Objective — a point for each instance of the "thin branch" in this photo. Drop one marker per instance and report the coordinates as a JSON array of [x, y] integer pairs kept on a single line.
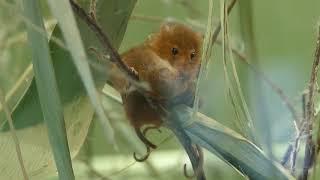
[[93, 9], [287, 155], [310, 146], [305, 126], [13, 134], [215, 36], [114, 55], [301, 131], [295, 150], [242, 57]]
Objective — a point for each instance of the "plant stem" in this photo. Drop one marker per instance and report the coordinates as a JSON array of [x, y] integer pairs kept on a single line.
[[310, 146]]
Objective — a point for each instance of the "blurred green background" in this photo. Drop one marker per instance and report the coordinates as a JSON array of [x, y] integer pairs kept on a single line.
[[284, 34]]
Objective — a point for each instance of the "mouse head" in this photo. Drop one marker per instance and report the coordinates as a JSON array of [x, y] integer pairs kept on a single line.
[[180, 46]]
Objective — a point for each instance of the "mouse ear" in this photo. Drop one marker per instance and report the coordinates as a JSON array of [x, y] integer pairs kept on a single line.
[[201, 35], [151, 38]]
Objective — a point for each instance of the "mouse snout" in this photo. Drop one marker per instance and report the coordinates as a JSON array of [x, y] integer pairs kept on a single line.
[[184, 75]]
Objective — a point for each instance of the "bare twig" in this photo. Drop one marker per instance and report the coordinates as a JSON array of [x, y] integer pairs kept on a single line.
[[114, 55], [293, 149], [305, 126], [243, 58], [300, 126], [93, 10], [310, 146], [287, 155], [301, 131]]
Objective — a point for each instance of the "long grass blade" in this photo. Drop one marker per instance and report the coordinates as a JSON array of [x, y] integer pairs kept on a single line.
[[239, 103], [48, 91], [228, 145], [63, 12], [206, 53]]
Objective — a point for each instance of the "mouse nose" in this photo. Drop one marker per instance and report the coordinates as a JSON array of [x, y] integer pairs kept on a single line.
[[184, 75]]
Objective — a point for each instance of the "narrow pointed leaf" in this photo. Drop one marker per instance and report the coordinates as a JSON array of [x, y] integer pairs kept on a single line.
[[78, 113], [48, 91], [230, 146]]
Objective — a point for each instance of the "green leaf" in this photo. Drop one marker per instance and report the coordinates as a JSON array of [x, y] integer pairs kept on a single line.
[[48, 91], [244, 120], [113, 16], [17, 91], [222, 141], [78, 111], [35, 146], [63, 12], [230, 146]]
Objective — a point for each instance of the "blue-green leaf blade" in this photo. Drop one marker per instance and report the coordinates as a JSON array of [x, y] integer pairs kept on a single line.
[[230, 146], [48, 91]]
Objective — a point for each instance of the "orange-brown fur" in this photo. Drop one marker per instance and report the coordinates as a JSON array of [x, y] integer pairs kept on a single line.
[[171, 76]]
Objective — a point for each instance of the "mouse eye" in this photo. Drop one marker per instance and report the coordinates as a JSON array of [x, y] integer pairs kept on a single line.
[[192, 55], [174, 51]]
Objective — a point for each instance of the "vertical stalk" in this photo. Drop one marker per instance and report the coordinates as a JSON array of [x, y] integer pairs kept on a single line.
[[51, 106], [309, 157]]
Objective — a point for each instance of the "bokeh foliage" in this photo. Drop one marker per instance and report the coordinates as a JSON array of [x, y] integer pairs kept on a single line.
[[284, 33]]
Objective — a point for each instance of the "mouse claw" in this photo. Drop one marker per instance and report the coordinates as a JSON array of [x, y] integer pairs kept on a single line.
[[150, 128], [143, 158], [186, 174], [200, 164], [144, 139]]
